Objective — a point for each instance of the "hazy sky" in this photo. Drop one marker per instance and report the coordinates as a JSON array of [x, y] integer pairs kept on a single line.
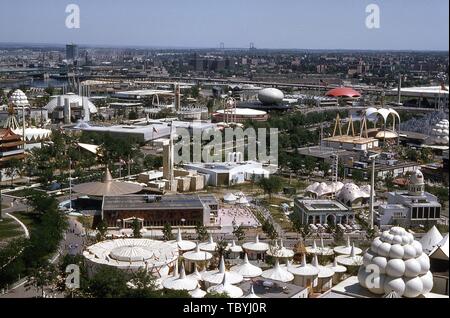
[[302, 24]]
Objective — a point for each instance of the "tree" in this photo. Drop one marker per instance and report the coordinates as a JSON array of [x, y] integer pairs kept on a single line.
[[102, 229], [269, 230], [221, 248], [108, 282], [136, 228], [270, 185], [42, 277], [41, 202], [358, 175], [238, 232], [202, 233], [167, 232], [195, 91], [338, 235], [14, 166]]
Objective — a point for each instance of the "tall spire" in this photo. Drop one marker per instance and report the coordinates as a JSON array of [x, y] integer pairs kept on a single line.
[[179, 237], [315, 261], [222, 265]]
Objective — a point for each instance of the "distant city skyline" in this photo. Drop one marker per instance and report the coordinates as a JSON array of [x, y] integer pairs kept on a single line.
[[287, 24]]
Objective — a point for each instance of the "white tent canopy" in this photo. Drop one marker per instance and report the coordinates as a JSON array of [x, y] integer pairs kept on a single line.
[[180, 282], [227, 288], [430, 240], [278, 273], [440, 251], [246, 269], [216, 276]]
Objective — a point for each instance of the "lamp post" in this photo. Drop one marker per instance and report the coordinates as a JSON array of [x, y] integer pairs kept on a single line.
[[372, 189]]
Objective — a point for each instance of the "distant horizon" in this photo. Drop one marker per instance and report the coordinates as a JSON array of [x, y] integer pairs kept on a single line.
[[405, 25], [155, 47]]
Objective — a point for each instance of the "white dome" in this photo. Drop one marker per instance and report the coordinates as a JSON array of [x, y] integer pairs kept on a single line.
[[19, 99], [351, 192], [403, 266], [270, 96], [416, 178], [73, 98]]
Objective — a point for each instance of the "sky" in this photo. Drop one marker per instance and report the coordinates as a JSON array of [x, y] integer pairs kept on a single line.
[[277, 24]]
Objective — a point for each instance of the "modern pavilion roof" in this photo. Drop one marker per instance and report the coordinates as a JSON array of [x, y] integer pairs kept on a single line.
[[180, 282], [304, 269], [181, 244], [347, 249], [107, 187], [234, 248], [216, 276], [226, 287], [246, 269], [197, 255], [431, 239], [280, 251], [440, 251], [350, 260], [132, 253], [324, 272], [256, 246], [278, 273], [209, 246], [336, 267]]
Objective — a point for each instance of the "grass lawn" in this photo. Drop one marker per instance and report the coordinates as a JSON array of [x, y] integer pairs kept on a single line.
[[23, 193], [29, 219], [277, 212], [9, 229]]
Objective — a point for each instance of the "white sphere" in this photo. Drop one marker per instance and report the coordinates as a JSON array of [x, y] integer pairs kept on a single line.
[[397, 239], [411, 238], [385, 236], [368, 257], [396, 284], [427, 281], [412, 267], [375, 245], [418, 247], [377, 284], [381, 263], [270, 96], [395, 268], [413, 287], [405, 240], [410, 251], [362, 276], [396, 251], [383, 249], [424, 262]]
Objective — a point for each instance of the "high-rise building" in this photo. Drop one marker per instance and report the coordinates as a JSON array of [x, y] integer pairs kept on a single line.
[[71, 51]]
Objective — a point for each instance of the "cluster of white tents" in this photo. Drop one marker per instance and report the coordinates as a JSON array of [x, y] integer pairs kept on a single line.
[[236, 198]]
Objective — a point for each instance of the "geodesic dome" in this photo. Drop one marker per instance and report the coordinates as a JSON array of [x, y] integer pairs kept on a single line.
[[402, 264]]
